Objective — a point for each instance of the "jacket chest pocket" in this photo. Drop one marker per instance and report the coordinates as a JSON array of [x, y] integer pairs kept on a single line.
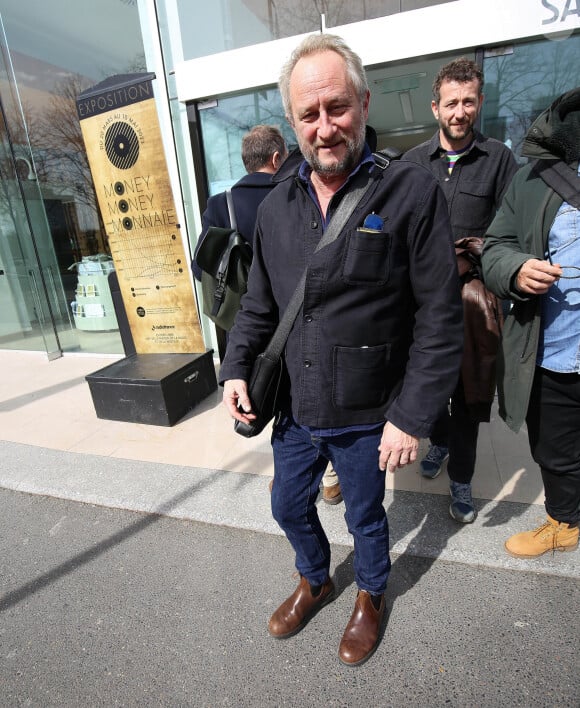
[[476, 208], [366, 259]]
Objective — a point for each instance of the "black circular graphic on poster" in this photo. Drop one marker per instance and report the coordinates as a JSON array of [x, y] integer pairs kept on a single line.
[[122, 145]]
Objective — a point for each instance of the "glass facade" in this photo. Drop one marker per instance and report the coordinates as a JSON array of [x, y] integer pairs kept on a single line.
[[400, 113], [30, 294], [223, 122], [210, 28], [521, 81], [51, 231]]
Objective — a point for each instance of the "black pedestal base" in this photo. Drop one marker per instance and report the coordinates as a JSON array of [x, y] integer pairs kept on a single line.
[[156, 389]]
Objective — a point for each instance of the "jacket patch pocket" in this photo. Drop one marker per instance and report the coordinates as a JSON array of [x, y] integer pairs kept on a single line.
[[477, 188], [477, 198], [360, 376], [367, 258]]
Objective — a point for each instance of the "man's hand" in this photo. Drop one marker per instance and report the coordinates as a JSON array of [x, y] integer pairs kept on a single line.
[[536, 277], [236, 400], [397, 448]]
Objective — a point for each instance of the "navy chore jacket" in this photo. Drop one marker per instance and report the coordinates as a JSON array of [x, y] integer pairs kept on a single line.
[[380, 334]]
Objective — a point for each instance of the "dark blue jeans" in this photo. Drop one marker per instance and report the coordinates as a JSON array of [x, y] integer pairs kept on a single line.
[[299, 463]]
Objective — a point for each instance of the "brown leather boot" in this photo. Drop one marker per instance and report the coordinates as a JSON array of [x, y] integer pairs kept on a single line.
[[295, 612], [361, 636]]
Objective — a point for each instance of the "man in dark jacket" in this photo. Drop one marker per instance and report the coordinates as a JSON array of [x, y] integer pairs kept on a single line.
[[263, 151], [474, 172], [532, 256], [374, 353]]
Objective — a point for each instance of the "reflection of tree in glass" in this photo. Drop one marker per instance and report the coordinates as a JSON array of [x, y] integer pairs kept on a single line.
[[9, 193], [58, 142], [519, 86], [287, 19], [60, 157]]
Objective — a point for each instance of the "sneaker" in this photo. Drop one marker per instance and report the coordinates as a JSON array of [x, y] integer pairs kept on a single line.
[[552, 535], [461, 508], [433, 461], [332, 495]]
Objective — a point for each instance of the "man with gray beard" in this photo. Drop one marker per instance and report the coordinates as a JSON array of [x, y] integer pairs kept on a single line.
[[374, 353]]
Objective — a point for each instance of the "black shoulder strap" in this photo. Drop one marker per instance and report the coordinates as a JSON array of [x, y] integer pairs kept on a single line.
[[231, 210], [384, 157], [561, 178]]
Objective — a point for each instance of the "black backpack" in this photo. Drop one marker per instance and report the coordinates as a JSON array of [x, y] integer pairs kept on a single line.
[[224, 257]]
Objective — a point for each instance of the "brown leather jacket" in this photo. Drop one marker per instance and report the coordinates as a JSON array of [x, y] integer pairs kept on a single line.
[[483, 321]]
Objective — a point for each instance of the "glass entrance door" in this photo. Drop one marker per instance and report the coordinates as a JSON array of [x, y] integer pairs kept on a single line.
[[33, 301]]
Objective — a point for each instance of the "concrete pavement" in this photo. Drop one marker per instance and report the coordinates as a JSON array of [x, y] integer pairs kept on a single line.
[[140, 564], [420, 523], [105, 607]]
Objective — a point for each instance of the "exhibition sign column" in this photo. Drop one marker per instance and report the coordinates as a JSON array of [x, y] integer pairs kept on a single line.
[[120, 128]]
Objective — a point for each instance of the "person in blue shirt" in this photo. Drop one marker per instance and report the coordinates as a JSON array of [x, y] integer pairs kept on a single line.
[[532, 256]]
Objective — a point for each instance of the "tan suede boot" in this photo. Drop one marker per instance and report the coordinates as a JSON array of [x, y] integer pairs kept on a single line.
[[332, 495], [550, 536]]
